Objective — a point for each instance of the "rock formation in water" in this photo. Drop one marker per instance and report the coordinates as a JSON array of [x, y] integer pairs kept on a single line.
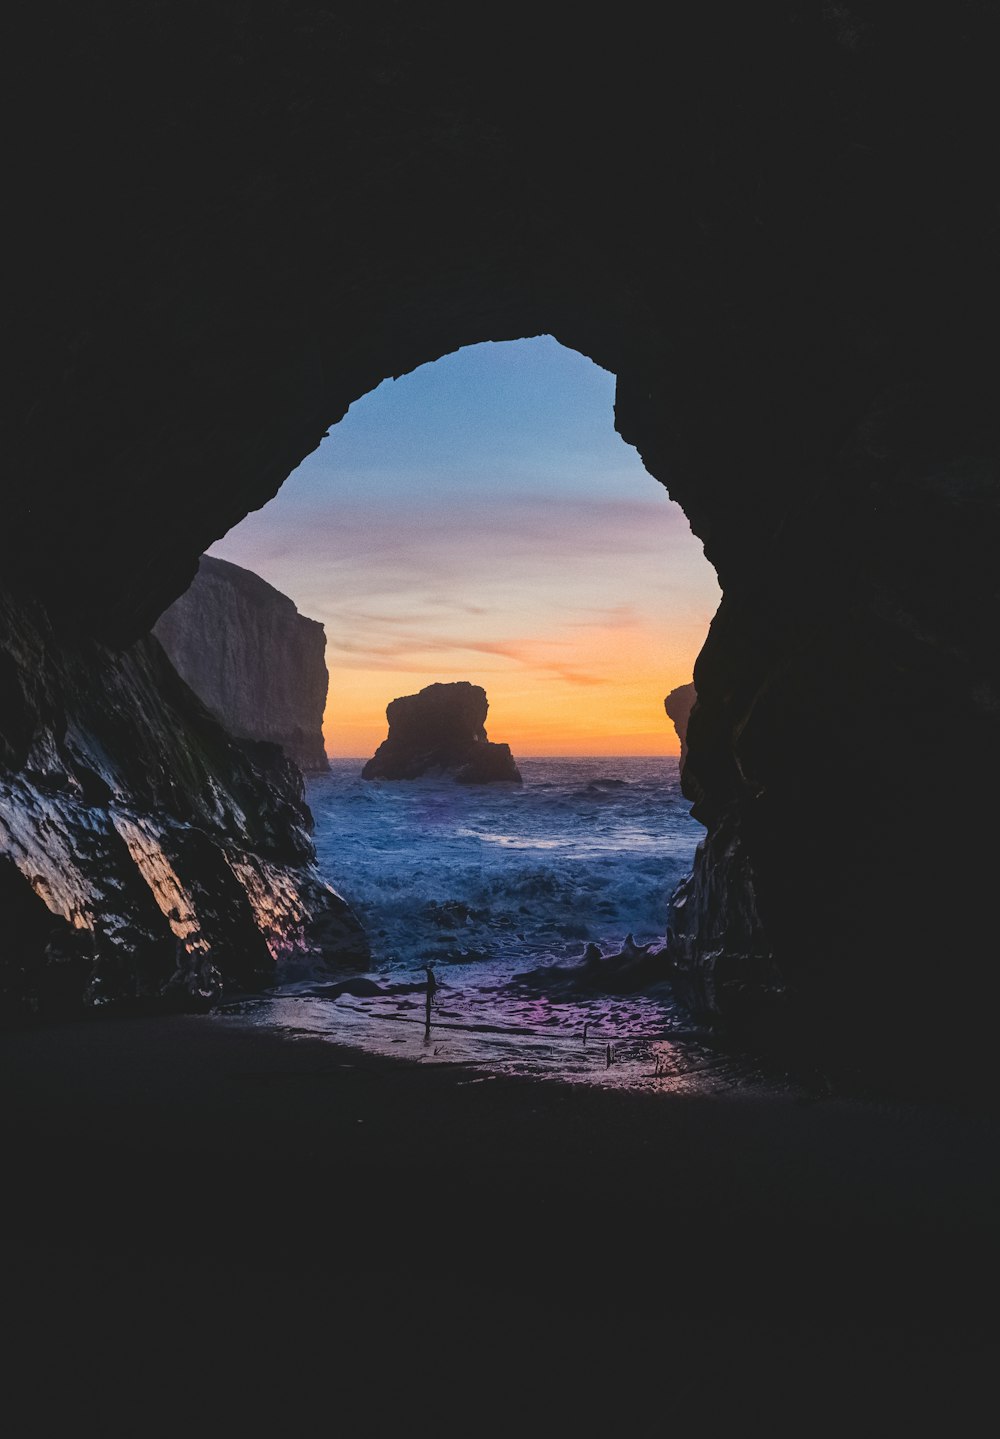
[[286, 204], [678, 705], [248, 654], [145, 855], [634, 967], [441, 729]]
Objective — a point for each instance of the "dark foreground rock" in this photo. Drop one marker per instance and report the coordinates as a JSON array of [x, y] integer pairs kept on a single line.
[[678, 704], [248, 654], [633, 967], [441, 730], [144, 853], [633, 1255]]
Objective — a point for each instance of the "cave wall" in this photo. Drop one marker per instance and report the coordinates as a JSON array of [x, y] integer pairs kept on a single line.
[[776, 225], [251, 658], [678, 705], [145, 855]]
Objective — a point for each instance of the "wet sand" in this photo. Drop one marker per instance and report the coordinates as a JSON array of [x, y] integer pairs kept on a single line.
[[212, 1226]]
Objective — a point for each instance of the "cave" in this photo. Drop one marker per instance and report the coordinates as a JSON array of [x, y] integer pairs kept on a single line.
[[233, 222], [776, 225]]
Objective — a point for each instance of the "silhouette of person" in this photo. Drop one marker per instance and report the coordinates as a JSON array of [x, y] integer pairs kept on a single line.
[[432, 985]]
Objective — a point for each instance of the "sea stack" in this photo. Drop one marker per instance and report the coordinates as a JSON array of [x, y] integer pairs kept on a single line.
[[441, 730], [251, 658], [678, 705]]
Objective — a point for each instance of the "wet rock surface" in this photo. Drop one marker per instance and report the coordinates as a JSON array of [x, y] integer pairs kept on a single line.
[[633, 967], [145, 855], [440, 730], [251, 658]]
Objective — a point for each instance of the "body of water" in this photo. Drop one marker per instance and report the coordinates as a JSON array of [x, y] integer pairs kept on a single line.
[[490, 883]]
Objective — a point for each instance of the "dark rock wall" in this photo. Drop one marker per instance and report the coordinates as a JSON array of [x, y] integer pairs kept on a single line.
[[144, 854], [826, 684], [441, 729], [678, 705], [247, 653], [775, 224]]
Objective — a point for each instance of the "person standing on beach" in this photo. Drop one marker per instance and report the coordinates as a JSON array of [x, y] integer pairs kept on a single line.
[[432, 985]]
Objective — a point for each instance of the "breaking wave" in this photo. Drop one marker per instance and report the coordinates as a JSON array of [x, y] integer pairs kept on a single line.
[[509, 893]]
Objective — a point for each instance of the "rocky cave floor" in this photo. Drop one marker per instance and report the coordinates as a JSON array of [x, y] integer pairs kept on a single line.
[[218, 1226]]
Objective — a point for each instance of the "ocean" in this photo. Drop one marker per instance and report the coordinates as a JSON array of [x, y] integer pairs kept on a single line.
[[490, 883]]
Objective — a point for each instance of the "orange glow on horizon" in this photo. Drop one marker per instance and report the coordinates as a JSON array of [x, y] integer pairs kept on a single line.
[[601, 695]]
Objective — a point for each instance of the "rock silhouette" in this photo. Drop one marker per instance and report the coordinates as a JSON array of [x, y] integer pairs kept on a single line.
[[442, 729], [633, 967], [678, 705]]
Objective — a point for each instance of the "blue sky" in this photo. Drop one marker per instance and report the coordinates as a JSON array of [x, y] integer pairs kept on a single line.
[[480, 519]]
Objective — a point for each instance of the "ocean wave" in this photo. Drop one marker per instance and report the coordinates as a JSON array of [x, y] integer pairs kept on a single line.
[[497, 882]]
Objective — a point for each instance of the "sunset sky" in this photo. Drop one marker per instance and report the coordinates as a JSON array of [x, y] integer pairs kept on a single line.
[[480, 519]]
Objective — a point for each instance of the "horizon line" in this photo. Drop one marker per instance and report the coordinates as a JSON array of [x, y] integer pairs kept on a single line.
[[627, 755]]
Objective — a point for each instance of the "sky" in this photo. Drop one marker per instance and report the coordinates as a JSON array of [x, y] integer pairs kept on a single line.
[[479, 519]]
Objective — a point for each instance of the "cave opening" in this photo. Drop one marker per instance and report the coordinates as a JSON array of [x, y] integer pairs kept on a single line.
[[480, 516], [478, 521]]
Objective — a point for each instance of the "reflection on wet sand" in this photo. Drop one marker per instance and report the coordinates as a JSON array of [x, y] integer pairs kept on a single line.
[[660, 1053]]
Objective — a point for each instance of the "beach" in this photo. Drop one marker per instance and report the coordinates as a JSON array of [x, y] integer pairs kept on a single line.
[[281, 1221]]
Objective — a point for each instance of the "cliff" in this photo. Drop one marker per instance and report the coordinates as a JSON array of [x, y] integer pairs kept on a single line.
[[248, 654], [678, 705], [441, 729], [145, 855]]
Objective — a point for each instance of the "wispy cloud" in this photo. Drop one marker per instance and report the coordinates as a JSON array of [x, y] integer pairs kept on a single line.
[[574, 676], [424, 644]]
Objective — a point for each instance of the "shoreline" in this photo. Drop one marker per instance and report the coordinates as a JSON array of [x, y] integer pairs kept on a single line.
[[397, 1213]]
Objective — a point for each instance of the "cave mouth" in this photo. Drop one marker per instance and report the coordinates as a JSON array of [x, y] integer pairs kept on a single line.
[[479, 520]]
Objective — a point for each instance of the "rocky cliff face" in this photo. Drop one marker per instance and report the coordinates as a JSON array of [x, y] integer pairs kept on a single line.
[[678, 704], [441, 729], [801, 310], [144, 854], [251, 658]]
